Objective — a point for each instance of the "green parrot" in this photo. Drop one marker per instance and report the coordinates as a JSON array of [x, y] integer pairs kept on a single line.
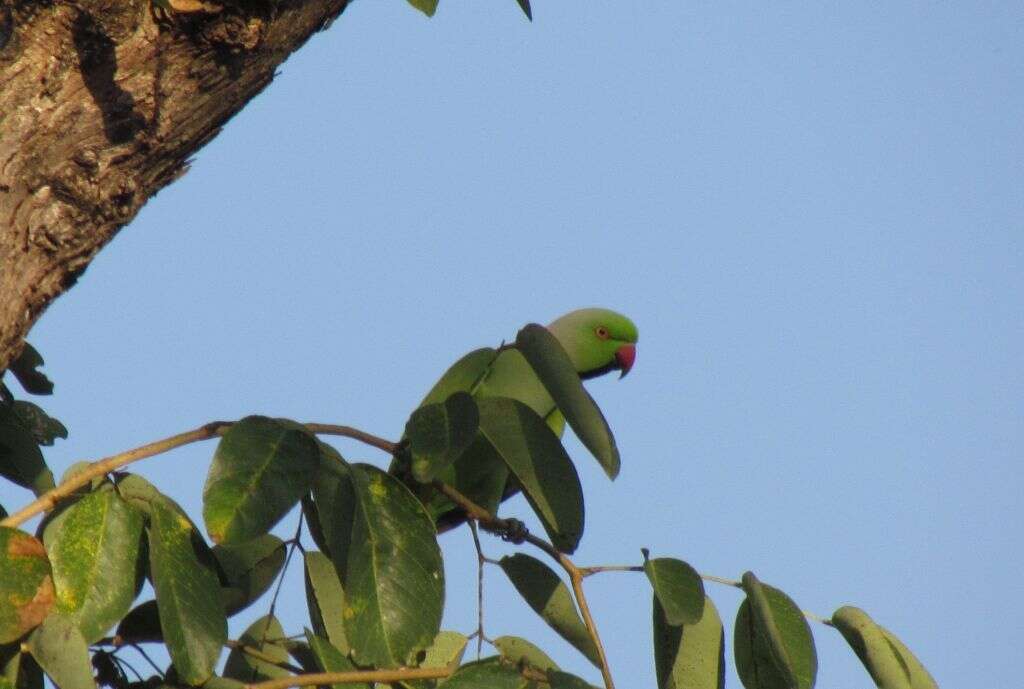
[[597, 341]]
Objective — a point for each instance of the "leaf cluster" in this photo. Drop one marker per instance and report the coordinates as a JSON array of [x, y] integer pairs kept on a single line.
[[375, 581]]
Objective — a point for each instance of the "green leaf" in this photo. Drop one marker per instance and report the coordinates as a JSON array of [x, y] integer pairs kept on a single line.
[[24, 369], [519, 651], [427, 7], [564, 680], [141, 624], [554, 368], [488, 673], [250, 569], [26, 587], [326, 599], [439, 433], [446, 651], [94, 547], [188, 592], [20, 458], [264, 636], [394, 579], [890, 663], [920, 678], [549, 597], [678, 587], [330, 659], [774, 647], [537, 459], [43, 427], [524, 5], [260, 470], [689, 656], [335, 501], [60, 650], [463, 376]]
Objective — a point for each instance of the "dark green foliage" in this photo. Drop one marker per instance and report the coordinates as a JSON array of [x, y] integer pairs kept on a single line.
[[774, 647], [677, 587], [249, 569], [439, 433], [555, 370], [549, 597]]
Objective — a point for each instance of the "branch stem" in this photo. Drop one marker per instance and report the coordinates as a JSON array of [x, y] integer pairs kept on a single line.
[[367, 676]]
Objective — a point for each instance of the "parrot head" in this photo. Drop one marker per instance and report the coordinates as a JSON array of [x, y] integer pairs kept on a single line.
[[597, 341]]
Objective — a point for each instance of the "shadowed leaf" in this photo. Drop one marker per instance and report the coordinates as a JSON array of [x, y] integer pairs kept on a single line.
[[141, 624], [25, 370], [549, 597], [439, 433], [330, 659], [537, 459], [555, 370], [774, 647], [264, 636], [20, 458], [43, 427], [488, 673], [250, 569], [689, 656]]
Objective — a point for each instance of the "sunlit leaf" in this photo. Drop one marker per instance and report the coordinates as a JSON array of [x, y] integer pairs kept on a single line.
[[187, 590], [462, 376], [250, 569], [62, 653], [537, 459], [555, 370], [264, 636], [689, 656], [519, 651], [446, 650], [427, 7], [394, 581], [335, 503], [889, 662], [20, 458], [26, 586], [330, 659], [326, 599], [439, 433], [549, 597], [94, 547], [773, 644], [678, 587], [260, 470]]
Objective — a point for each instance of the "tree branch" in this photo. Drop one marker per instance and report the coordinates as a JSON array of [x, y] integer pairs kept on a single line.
[[353, 677], [47, 501]]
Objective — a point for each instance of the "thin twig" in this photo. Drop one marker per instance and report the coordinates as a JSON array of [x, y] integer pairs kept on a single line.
[[721, 580], [514, 531], [590, 571], [480, 559], [48, 500], [366, 676], [138, 649], [355, 433]]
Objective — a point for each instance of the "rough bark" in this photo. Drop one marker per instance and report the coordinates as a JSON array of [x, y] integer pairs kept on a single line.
[[102, 102]]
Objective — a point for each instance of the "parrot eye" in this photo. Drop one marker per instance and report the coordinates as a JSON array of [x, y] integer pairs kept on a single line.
[[601, 332]]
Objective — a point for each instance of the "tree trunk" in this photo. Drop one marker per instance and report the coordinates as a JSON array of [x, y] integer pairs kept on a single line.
[[102, 102]]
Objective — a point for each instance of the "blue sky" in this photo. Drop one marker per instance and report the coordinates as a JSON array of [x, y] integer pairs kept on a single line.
[[815, 215]]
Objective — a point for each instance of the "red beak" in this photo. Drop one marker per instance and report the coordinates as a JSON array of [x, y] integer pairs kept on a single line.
[[625, 356]]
